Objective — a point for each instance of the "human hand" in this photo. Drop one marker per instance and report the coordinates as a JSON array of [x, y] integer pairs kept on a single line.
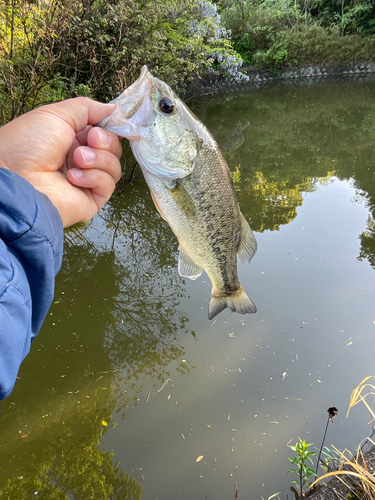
[[57, 150]]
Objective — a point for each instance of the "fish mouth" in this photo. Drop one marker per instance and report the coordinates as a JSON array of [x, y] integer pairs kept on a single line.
[[132, 107], [145, 78]]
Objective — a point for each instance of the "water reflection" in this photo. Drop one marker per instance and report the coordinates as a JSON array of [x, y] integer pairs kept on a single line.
[[122, 323], [143, 336], [58, 454], [115, 320]]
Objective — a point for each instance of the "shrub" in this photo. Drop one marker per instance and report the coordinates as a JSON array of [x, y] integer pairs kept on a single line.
[[28, 35], [57, 49], [315, 45]]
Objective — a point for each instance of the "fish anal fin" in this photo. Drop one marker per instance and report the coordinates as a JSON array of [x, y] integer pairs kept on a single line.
[[238, 302], [248, 244], [187, 267]]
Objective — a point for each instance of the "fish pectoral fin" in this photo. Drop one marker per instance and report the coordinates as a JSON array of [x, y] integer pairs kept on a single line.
[[182, 199], [248, 243], [187, 267]]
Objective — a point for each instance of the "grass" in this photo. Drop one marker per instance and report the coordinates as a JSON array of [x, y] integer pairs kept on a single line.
[[356, 396]]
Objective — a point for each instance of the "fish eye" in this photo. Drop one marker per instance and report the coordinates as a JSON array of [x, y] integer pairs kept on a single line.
[[166, 105]]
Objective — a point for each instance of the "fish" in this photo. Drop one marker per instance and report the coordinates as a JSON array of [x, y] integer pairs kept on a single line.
[[191, 186]]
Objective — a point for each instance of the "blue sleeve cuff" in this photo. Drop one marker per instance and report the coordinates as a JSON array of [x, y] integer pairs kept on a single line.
[[31, 246]]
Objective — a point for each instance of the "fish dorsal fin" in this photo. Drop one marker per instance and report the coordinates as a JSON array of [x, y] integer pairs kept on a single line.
[[248, 244], [188, 268]]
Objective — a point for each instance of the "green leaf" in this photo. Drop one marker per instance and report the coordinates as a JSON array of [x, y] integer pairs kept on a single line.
[[310, 472], [296, 495], [291, 471]]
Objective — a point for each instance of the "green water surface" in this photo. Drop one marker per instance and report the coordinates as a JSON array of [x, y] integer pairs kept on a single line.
[[128, 382]]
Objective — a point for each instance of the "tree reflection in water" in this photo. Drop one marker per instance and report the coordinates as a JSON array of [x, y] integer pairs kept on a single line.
[[115, 320]]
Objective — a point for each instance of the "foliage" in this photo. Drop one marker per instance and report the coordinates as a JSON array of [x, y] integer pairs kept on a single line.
[[54, 50], [276, 33], [28, 35], [106, 45], [258, 22], [315, 45], [331, 459], [303, 471], [245, 46], [355, 16]]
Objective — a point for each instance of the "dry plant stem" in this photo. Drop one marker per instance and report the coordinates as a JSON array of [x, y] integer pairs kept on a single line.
[[320, 451]]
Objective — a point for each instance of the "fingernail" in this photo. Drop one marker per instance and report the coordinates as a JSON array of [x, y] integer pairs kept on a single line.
[[103, 137], [77, 173], [88, 155]]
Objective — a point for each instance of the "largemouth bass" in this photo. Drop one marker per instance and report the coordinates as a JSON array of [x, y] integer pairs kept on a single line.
[[191, 186]]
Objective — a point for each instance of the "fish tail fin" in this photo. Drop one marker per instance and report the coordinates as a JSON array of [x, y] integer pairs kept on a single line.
[[238, 302]]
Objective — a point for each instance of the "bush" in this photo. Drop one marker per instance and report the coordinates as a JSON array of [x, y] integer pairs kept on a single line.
[[58, 49], [258, 23], [274, 33], [28, 35], [315, 45], [245, 46]]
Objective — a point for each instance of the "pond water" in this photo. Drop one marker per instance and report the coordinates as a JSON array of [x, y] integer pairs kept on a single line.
[[129, 383]]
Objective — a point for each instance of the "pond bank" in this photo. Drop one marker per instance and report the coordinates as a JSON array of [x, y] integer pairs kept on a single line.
[[335, 488], [256, 78]]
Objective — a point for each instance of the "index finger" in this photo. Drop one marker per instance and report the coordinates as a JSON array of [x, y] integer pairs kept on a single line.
[[103, 139]]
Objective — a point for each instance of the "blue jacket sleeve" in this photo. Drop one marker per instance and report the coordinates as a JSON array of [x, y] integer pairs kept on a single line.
[[31, 245]]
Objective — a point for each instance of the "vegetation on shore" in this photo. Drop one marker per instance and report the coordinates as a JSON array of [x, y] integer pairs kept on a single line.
[[275, 33], [355, 474], [55, 49]]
